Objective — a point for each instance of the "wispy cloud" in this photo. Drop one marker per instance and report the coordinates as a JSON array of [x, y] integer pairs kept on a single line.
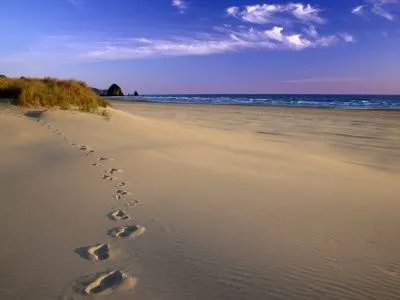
[[221, 40], [181, 5], [380, 8], [347, 37], [358, 10], [305, 13], [77, 3], [311, 31], [294, 41], [276, 13], [323, 80]]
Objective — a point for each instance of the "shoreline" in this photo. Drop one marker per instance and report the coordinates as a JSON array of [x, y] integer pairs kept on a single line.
[[262, 106]]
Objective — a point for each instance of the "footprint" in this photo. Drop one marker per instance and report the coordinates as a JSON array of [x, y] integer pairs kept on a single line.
[[131, 203], [105, 158], [99, 252], [58, 132], [97, 164], [130, 231], [108, 282], [89, 152], [83, 148], [114, 170], [121, 184], [95, 253], [108, 177], [120, 194], [119, 215]]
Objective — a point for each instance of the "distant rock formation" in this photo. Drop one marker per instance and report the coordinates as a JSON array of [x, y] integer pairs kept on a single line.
[[3, 76], [99, 92], [114, 90], [135, 94]]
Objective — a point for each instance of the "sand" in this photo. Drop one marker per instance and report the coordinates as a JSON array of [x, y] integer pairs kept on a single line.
[[208, 202]]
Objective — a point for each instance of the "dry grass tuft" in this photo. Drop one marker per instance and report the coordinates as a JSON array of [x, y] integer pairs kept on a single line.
[[50, 92]]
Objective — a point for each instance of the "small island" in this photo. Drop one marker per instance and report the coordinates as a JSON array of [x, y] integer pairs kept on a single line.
[[114, 91]]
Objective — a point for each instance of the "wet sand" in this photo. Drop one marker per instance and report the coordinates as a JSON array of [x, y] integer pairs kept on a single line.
[[236, 202]]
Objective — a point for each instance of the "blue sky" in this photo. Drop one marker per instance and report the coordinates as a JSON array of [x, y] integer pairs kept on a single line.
[[207, 46]]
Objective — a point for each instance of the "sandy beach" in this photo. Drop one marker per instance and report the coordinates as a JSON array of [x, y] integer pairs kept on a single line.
[[220, 202]]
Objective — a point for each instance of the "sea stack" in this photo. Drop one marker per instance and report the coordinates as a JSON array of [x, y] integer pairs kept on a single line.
[[114, 90]]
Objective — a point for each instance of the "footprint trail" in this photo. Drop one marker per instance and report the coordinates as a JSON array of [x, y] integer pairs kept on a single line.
[[107, 282], [119, 214], [130, 231], [94, 253]]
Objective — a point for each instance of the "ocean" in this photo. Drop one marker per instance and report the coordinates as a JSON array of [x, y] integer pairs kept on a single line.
[[327, 101]]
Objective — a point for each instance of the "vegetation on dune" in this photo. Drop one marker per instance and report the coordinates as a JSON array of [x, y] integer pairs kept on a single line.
[[50, 92]]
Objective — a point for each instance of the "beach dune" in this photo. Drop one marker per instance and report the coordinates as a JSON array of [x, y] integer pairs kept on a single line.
[[219, 202]]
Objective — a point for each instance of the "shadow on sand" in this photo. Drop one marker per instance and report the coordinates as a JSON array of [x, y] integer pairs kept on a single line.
[[34, 114]]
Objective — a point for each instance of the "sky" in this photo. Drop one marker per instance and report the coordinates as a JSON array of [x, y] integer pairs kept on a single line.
[[207, 46]]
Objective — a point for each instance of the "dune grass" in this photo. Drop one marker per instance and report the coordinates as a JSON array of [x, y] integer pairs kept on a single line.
[[50, 92]]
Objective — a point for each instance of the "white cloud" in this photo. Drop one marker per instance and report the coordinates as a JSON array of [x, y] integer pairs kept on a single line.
[[377, 7], [294, 41], [305, 13], [180, 5], [230, 40], [221, 39], [379, 10], [275, 34], [232, 11], [126, 51], [67, 49], [311, 31], [348, 38], [260, 14], [359, 10], [276, 13]]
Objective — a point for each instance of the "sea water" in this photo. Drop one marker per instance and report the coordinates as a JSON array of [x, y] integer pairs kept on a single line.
[[328, 101]]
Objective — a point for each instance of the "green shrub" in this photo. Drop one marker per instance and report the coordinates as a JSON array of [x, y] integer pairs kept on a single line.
[[50, 92]]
